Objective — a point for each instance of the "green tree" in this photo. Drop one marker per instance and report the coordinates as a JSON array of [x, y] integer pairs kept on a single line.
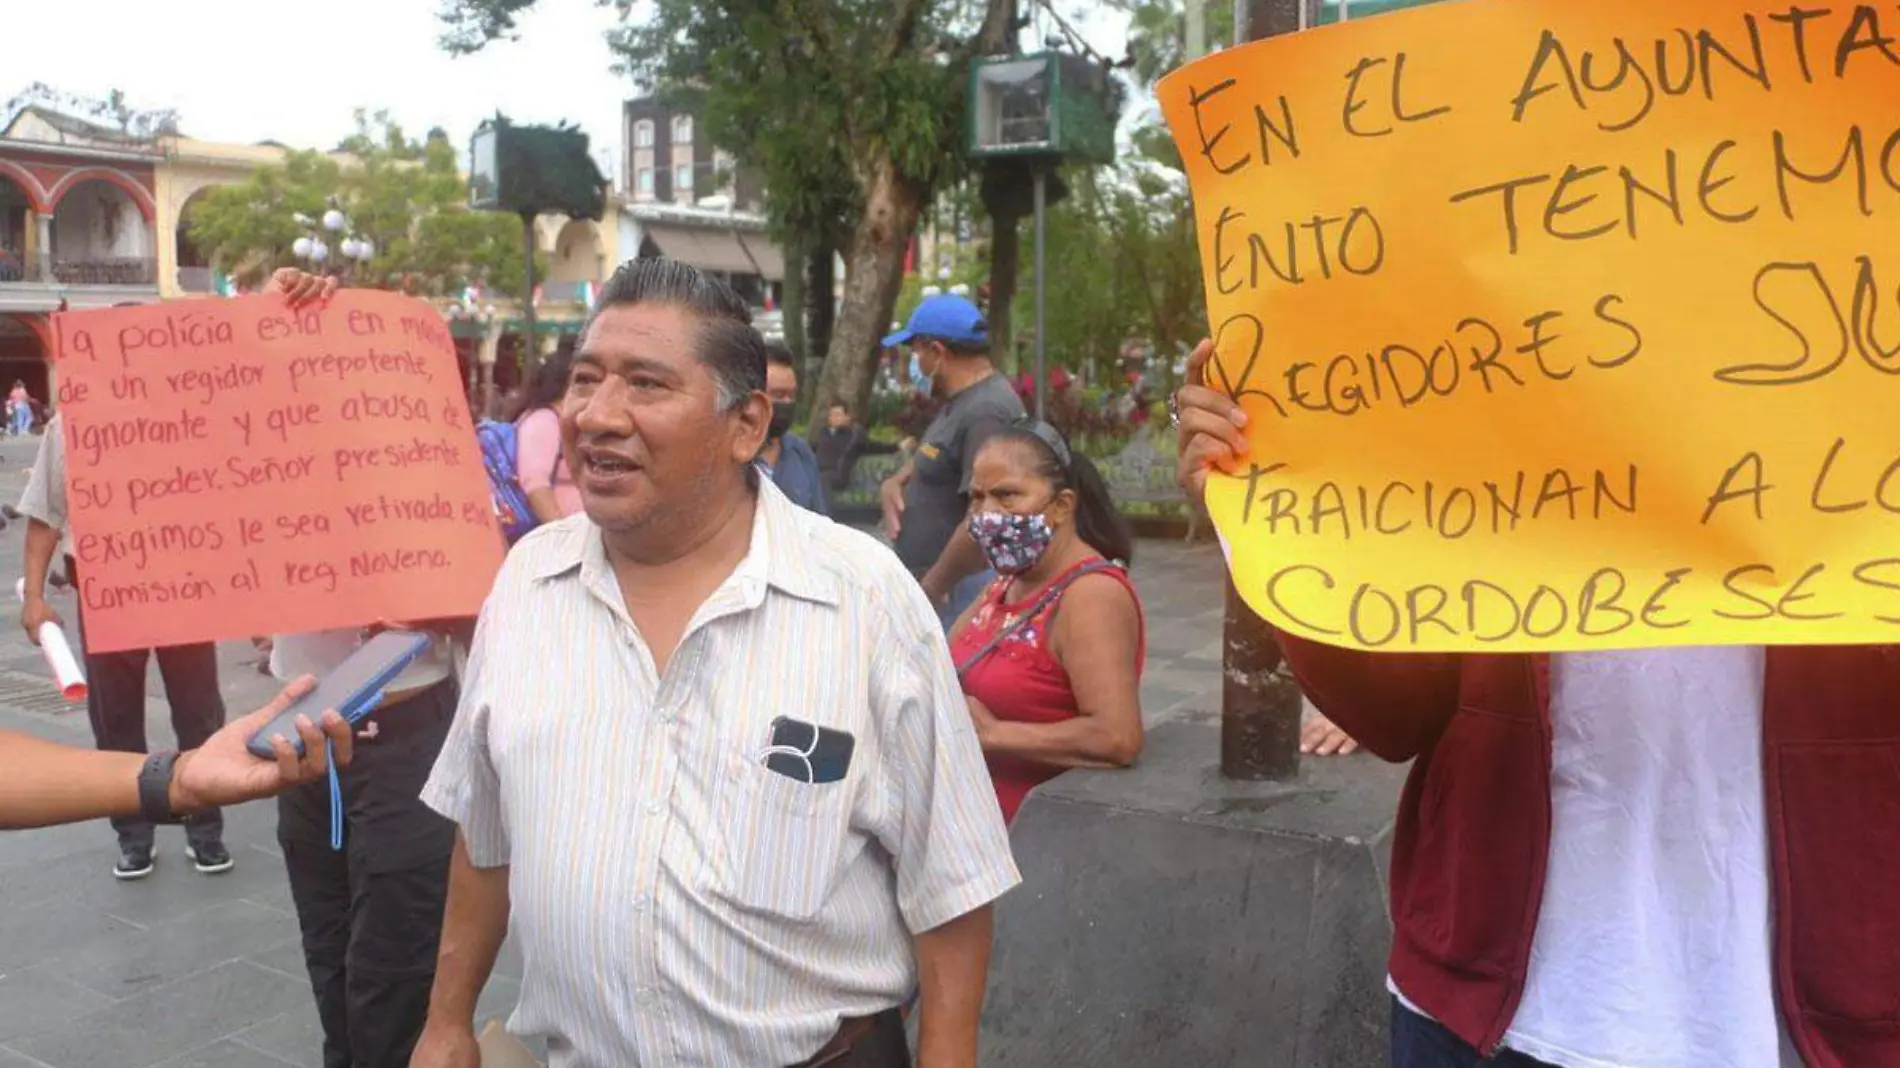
[[406, 197], [851, 110], [1146, 210], [1129, 266]]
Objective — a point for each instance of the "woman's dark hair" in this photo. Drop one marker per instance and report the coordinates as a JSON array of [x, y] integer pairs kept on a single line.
[[546, 387], [1097, 521]]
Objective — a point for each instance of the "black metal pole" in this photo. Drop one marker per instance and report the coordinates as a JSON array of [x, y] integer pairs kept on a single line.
[[1040, 180], [1260, 703], [531, 351]]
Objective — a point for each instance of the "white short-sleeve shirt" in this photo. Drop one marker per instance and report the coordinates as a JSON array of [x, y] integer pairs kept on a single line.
[[678, 903]]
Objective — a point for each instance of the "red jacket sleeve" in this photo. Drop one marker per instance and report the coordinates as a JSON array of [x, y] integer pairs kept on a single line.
[[1394, 704]]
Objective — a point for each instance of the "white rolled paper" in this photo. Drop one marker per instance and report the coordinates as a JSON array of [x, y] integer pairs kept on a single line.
[[59, 657], [58, 654]]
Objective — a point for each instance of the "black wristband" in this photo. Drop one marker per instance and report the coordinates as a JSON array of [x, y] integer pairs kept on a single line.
[[155, 788]]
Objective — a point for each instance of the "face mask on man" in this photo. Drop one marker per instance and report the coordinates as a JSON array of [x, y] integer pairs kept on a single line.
[[782, 412], [918, 379]]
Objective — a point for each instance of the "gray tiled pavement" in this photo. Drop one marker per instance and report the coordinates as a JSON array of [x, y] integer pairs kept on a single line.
[[184, 970]]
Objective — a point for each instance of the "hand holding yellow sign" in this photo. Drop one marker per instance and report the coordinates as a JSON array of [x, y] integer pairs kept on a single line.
[[1559, 325]]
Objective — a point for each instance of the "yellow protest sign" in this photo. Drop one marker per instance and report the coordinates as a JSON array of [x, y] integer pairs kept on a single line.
[[1559, 324]]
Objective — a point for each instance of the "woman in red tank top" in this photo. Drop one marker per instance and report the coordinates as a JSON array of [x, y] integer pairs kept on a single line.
[[1051, 655]]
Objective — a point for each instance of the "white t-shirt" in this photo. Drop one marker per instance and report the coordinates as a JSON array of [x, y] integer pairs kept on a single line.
[[1654, 945]]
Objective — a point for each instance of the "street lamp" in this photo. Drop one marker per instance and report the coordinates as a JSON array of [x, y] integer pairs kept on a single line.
[[314, 248], [1041, 110]]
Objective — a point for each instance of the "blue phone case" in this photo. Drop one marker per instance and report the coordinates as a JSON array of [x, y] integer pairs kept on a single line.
[[352, 688]]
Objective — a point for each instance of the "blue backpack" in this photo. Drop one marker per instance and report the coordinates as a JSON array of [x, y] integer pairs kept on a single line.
[[499, 443]]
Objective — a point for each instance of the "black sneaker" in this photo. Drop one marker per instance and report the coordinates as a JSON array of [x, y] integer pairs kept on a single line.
[[210, 857], [135, 862]]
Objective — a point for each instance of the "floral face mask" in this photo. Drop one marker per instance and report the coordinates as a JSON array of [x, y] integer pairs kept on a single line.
[[1011, 543]]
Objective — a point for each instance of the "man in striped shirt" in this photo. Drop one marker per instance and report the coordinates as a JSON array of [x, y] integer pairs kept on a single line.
[[711, 758]]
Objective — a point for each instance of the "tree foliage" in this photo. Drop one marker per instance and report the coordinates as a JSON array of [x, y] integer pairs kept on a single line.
[[1123, 254], [1157, 33], [1124, 264], [406, 197], [850, 110]]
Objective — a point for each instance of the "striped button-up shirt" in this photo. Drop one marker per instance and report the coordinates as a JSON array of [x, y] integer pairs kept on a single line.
[[45, 496], [677, 903]]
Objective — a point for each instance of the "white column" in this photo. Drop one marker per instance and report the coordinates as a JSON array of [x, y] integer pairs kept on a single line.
[[46, 246]]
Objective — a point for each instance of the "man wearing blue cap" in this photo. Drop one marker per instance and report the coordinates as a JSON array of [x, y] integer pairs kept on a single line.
[[925, 502]]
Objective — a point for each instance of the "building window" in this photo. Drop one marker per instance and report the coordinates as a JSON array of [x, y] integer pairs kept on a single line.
[[683, 130], [643, 134], [646, 181], [683, 177]]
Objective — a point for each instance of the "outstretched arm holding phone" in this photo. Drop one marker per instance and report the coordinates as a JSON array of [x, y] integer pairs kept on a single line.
[[44, 783]]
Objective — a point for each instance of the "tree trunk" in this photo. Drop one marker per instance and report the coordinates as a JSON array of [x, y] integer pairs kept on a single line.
[[791, 309], [821, 286], [792, 303], [1006, 252], [873, 274]]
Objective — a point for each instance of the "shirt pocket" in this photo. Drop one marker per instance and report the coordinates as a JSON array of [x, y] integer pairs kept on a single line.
[[786, 841]]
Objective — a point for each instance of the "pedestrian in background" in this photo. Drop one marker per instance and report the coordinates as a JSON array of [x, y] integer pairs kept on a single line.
[[368, 862], [786, 458], [115, 691], [535, 410], [19, 409], [926, 501], [1050, 655]]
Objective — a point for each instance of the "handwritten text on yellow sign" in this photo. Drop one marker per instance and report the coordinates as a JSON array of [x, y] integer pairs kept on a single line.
[[1559, 325]]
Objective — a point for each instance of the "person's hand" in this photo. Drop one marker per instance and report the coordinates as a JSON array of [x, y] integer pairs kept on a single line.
[[301, 287], [980, 715], [36, 611], [447, 1045], [1322, 737], [223, 772], [935, 588], [1211, 432], [891, 496], [908, 445]]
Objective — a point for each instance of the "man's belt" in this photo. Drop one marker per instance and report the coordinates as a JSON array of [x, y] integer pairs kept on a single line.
[[851, 1031]]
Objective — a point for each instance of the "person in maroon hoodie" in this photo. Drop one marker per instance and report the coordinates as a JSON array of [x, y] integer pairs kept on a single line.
[[1653, 858]]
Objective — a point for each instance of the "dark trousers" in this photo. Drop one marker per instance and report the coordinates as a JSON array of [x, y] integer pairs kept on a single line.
[[371, 912], [1420, 1042], [115, 702]]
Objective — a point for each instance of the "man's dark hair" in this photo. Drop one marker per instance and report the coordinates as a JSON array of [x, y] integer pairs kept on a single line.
[[959, 348], [776, 352], [729, 346], [842, 405]]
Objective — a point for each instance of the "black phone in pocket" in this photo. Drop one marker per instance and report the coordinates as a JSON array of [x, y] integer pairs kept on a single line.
[[809, 753]]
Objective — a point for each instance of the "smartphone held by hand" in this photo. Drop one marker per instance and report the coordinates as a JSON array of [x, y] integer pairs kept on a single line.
[[353, 688]]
